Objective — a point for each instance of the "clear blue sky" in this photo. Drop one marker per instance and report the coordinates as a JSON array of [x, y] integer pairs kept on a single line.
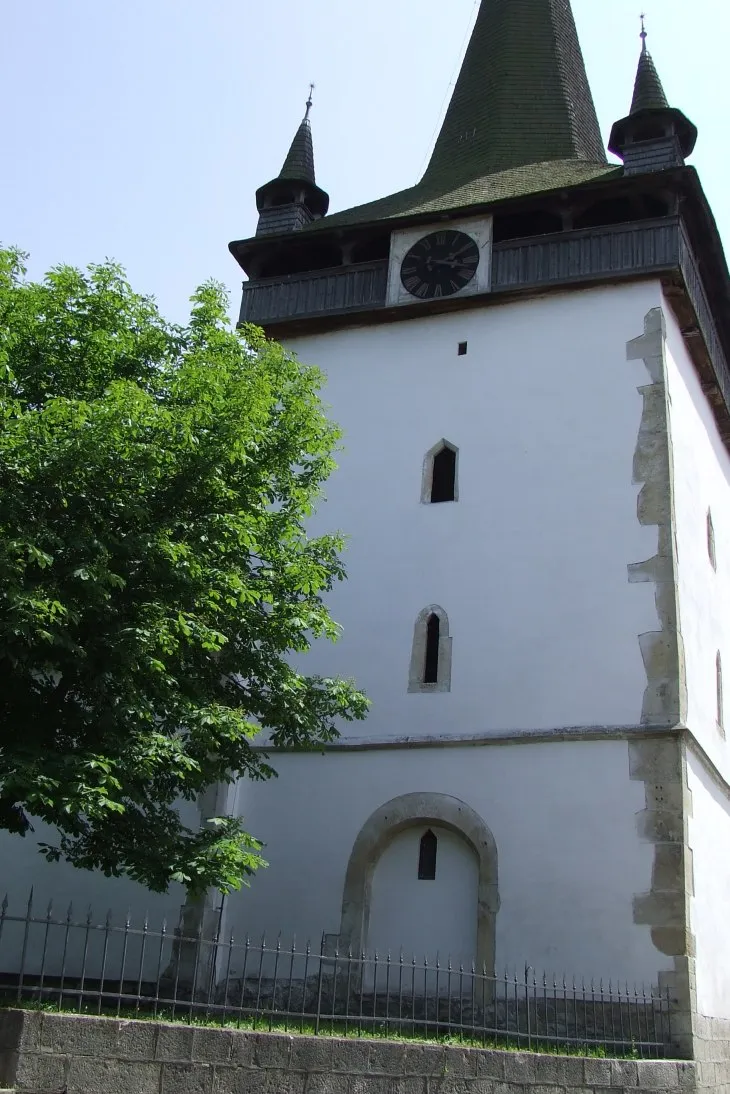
[[140, 130]]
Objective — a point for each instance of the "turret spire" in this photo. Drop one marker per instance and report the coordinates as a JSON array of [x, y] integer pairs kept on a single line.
[[522, 96], [293, 199], [299, 163], [648, 90], [654, 136]]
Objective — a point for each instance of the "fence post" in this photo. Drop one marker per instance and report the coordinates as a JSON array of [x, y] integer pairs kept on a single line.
[[527, 1005]]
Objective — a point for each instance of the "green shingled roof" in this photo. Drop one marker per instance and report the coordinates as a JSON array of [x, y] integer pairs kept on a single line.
[[648, 90], [534, 178], [521, 119], [299, 163], [522, 95]]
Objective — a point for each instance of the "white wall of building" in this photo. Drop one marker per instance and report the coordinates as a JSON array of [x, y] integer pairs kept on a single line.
[[530, 563], [701, 482], [709, 839], [563, 816]]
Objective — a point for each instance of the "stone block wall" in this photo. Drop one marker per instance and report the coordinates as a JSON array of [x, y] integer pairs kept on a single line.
[[44, 1053]]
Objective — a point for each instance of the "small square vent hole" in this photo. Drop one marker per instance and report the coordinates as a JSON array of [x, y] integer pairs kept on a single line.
[[463, 348]]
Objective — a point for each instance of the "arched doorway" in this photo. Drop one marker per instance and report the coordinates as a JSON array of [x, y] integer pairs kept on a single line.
[[420, 812]]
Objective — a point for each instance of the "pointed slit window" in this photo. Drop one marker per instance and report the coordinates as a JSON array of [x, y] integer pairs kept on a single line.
[[443, 483], [427, 857], [430, 668], [440, 474]]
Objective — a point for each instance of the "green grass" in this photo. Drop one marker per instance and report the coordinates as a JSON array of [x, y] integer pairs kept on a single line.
[[359, 1029]]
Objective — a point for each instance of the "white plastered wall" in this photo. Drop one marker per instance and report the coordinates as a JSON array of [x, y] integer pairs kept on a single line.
[[563, 817], [530, 563], [701, 467], [436, 917], [701, 482], [709, 839]]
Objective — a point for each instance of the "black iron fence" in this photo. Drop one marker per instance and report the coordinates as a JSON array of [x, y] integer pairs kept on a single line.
[[117, 968]]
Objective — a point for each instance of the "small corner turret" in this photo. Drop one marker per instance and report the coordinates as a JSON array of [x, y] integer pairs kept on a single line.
[[292, 200], [654, 136]]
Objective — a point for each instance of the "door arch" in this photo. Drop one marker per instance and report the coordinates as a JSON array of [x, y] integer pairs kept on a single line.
[[375, 835]]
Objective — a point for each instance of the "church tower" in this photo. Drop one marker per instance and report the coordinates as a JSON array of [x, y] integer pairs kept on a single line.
[[527, 353]]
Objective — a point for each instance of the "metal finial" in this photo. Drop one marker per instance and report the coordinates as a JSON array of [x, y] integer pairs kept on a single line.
[[643, 34], [309, 101]]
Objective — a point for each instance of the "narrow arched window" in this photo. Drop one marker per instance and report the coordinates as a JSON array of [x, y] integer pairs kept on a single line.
[[440, 474], [430, 668], [443, 480], [720, 695], [427, 857], [711, 540], [431, 665]]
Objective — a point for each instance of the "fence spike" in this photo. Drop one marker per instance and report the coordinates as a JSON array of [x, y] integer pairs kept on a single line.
[[4, 905], [108, 919], [30, 899], [89, 916], [49, 909], [70, 912]]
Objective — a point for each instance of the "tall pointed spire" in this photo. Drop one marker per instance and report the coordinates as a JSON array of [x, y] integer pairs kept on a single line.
[[653, 136], [522, 96], [292, 200]]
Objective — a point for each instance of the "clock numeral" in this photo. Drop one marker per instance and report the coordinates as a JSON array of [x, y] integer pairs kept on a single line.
[[408, 271], [455, 286], [422, 291], [464, 271], [438, 291]]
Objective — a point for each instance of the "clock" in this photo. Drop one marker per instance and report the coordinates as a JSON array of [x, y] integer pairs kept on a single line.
[[439, 265]]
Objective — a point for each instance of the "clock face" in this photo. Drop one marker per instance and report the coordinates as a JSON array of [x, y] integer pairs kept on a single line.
[[439, 264]]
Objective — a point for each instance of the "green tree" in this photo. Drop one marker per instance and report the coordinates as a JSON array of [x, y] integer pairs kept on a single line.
[[156, 575]]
